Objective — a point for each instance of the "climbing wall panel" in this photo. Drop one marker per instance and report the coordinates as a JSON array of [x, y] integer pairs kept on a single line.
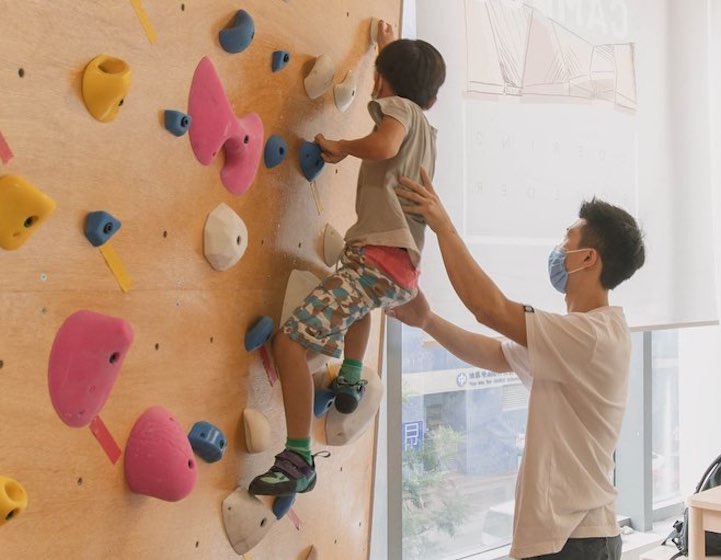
[[188, 319]]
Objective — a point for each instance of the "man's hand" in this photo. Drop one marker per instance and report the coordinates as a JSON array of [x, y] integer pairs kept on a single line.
[[415, 313], [426, 202], [385, 34], [331, 149]]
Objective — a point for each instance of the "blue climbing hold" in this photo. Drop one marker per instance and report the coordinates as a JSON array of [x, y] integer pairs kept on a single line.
[[207, 441], [282, 504], [100, 227], [238, 36], [176, 122], [279, 60], [311, 162], [259, 333], [275, 150], [324, 399]]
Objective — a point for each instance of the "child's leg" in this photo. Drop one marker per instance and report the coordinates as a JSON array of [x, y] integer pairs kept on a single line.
[[296, 383], [348, 386], [356, 338]]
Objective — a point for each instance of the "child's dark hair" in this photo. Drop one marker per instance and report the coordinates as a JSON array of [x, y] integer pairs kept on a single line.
[[414, 69], [614, 233]]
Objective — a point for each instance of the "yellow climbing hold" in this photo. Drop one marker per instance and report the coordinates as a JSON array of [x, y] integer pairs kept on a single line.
[[23, 208]]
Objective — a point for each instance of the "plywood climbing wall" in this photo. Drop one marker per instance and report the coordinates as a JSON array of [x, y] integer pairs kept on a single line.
[[189, 320]]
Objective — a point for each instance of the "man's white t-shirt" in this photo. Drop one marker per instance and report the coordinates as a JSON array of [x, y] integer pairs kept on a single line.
[[576, 368]]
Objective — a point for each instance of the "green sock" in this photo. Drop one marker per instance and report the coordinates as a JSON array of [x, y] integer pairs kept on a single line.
[[301, 447], [351, 370]]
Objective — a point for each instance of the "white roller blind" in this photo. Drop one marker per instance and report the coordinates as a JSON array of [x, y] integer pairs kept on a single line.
[[548, 103]]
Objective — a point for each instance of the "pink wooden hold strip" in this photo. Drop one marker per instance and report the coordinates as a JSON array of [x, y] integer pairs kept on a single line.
[[293, 516], [6, 154], [105, 439], [268, 365]]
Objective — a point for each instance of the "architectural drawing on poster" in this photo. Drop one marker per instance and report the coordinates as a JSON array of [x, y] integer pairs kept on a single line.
[[514, 49]]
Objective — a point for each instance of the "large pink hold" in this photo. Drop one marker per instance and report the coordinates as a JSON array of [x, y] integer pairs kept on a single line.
[[85, 360], [159, 461], [214, 125]]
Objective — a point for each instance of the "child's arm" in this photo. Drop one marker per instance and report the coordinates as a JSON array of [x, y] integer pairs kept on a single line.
[[383, 143]]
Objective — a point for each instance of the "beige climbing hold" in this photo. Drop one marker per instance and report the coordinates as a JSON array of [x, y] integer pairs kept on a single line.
[[374, 32], [300, 284], [342, 429], [344, 92], [333, 245], [247, 520], [257, 431], [320, 77], [225, 238]]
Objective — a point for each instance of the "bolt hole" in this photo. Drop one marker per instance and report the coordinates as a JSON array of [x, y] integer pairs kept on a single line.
[[215, 153], [157, 346], [184, 122], [107, 228], [237, 240], [341, 469], [1, 364], [222, 444], [286, 57], [165, 234], [347, 14], [10, 515], [30, 221], [120, 104], [80, 481], [197, 544], [21, 72], [335, 541], [114, 357], [230, 508], [336, 172], [263, 522], [281, 150], [299, 244], [246, 139], [211, 340], [262, 242], [190, 463], [253, 35], [182, 7]]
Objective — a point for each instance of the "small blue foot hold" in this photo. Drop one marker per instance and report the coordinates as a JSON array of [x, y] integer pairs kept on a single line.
[[280, 60], [311, 162], [238, 36], [207, 441], [176, 122], [259, 333], [324, 399], [100, 227], [282, 504], [275, 151]]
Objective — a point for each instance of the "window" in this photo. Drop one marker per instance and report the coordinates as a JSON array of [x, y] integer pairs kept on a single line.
[[463, 435], [665, 415]]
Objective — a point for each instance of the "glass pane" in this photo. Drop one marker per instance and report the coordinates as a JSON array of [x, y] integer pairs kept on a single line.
[[463, 433], [664, 427]]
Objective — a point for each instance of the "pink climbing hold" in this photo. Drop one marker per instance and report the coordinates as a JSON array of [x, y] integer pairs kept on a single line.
[[159, 460], [85, 361], [215, 126]]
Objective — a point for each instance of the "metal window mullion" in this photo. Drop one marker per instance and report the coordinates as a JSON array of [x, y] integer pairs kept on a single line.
[[633, 455]]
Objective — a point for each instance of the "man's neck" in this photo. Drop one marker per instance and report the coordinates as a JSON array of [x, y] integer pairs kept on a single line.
[[588, 301]]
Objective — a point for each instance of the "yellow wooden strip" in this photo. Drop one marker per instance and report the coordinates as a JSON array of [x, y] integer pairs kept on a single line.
[[116, 267], [144, 20]]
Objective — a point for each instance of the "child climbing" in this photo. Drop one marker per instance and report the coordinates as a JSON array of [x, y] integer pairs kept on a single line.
[[380, 263]]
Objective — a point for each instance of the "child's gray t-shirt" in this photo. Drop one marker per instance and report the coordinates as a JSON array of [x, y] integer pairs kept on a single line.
[[381, 220]]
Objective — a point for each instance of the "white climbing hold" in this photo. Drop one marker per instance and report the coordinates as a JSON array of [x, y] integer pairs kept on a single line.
[[320, 77], [247, 520], [225, 239], [344, 92], [257, 431], [333, 244]]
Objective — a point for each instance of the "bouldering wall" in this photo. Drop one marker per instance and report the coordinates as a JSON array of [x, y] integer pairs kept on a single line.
[[188, 320]]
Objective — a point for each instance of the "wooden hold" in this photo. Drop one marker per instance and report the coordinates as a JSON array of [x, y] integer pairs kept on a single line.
[[257, 431], [247, 520]]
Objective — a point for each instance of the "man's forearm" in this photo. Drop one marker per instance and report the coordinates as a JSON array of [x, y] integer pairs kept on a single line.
[[474, 287], [473, 348]]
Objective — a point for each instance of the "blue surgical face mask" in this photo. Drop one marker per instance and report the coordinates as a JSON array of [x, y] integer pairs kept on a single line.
[[557, 268]]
